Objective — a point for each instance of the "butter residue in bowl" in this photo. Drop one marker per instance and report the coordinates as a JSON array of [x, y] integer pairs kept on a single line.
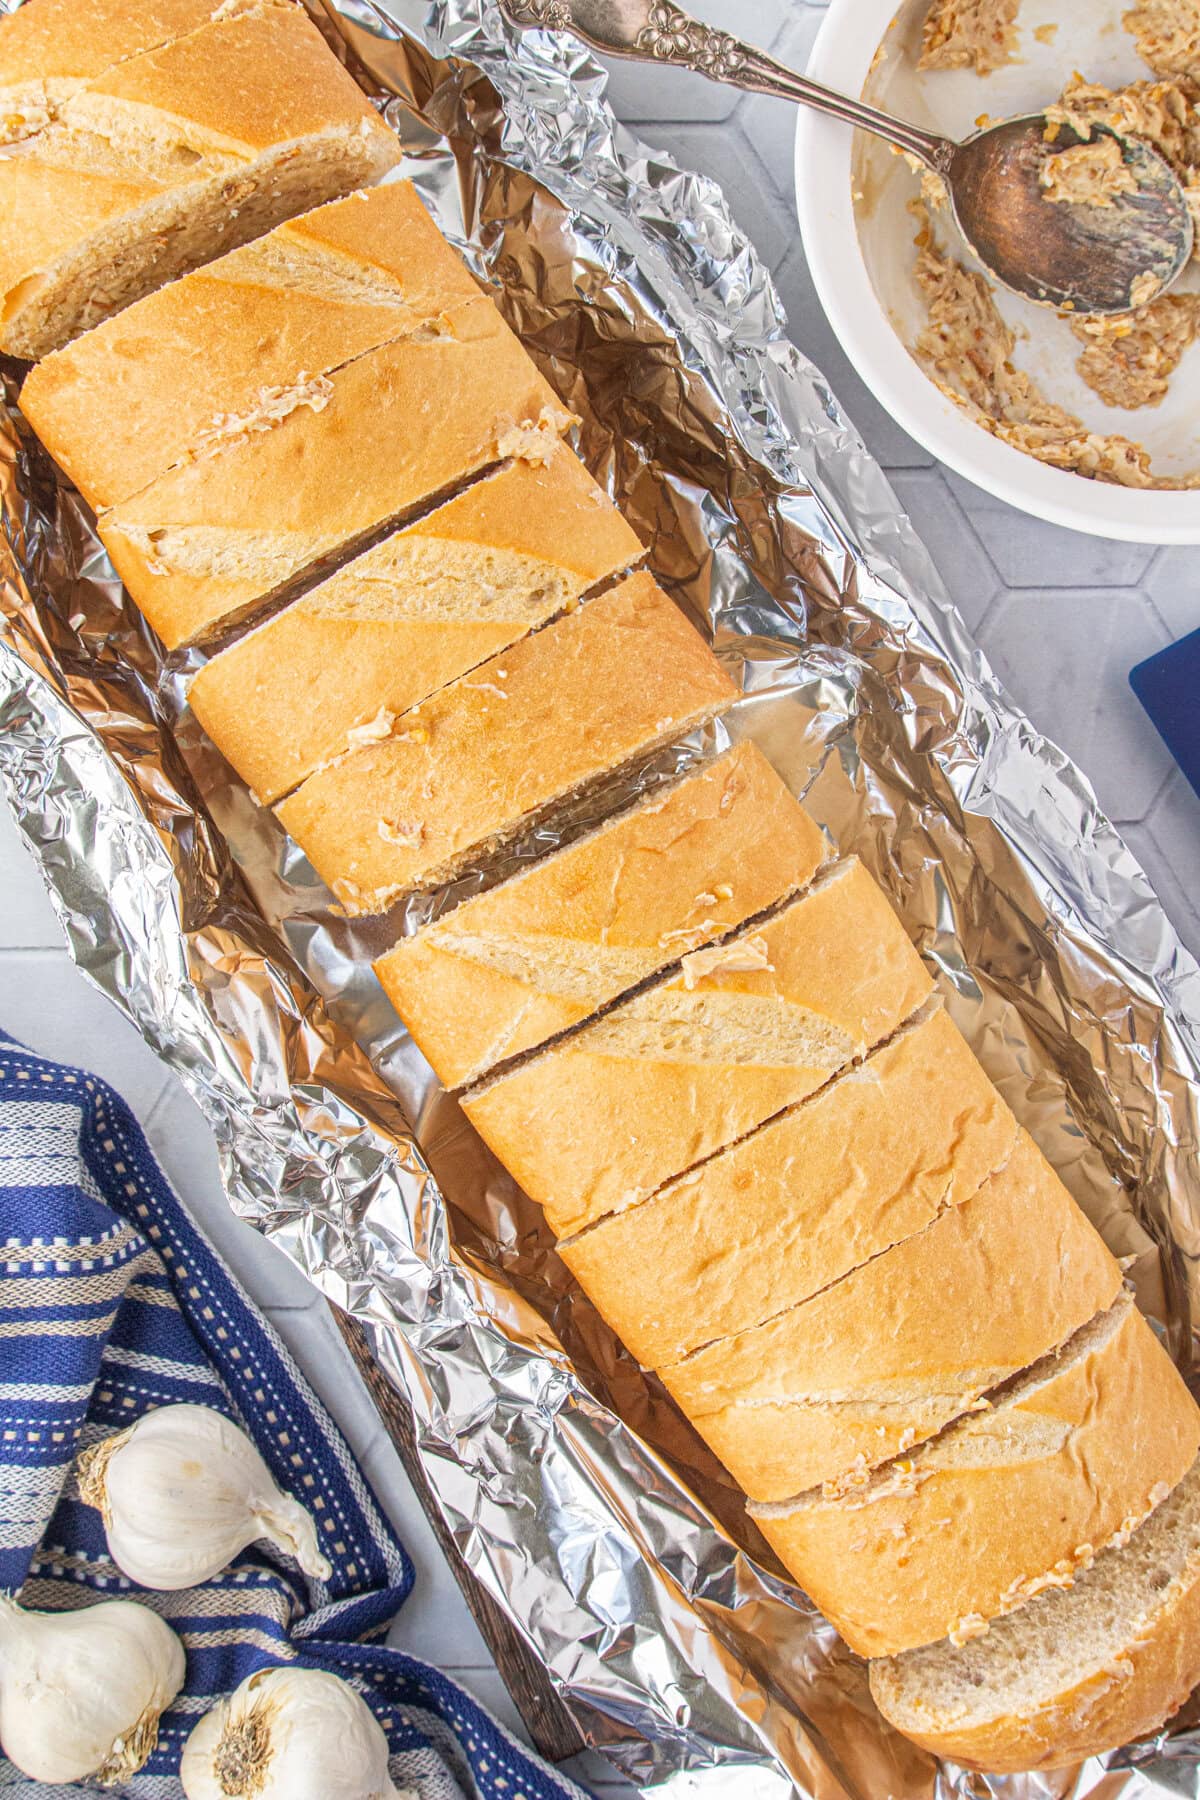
[[1164, 113], [1167, 34], [1128, 360], [964, 34], [967, 349]]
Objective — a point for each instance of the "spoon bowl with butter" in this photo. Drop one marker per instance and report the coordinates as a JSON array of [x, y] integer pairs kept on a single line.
[[1066, 213]]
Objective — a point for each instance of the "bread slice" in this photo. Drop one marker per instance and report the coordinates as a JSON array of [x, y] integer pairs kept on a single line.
[[513, 967], [236, 346], [888, 1355], [868, 1161], [49, 48], [408, 617], [693, 1062], [488, 755], [1078, 1670], [209, 540], [1003, 1504], [168, 158]]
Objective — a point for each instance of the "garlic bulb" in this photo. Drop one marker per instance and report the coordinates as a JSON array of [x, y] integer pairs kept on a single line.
[[182, 1491], [81, 1692], [289, 1734]]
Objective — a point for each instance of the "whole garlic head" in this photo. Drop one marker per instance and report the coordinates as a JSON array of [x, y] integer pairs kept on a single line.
[[81, 1692], [289, 1734], [182, 1491]]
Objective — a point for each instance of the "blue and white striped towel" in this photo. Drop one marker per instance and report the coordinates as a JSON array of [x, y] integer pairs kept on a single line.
[[111, 1303]]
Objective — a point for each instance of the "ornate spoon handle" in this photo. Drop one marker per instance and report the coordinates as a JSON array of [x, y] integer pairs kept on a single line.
[[659, 31]]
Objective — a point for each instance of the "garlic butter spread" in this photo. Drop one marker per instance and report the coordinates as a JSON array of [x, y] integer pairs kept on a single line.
[[967, 347]]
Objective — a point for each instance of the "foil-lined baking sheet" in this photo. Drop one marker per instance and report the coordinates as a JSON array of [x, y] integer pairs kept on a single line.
[[577, 1494]]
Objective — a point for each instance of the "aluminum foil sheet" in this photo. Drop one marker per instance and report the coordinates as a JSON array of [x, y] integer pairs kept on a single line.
[[577, 1494]]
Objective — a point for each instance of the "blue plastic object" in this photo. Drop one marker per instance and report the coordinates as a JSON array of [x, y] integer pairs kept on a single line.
[[1168, 686]]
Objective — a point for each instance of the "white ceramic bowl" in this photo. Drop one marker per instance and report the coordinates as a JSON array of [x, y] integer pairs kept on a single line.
[[861, 265]]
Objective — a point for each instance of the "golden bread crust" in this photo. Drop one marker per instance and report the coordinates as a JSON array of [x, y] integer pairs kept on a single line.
[[513, 967], [692, 1063], [408, 617], [208, 540], [489, 752], [1001, 1504], [869, 1161], [171, 376], [887, 1356]]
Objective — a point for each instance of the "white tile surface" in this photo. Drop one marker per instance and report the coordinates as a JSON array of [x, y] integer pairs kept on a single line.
[[1174, 588], [1034, 554], [1087, 639], [1062, 616]]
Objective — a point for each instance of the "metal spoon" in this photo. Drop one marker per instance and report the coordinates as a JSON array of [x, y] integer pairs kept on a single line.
[[1087, 259]]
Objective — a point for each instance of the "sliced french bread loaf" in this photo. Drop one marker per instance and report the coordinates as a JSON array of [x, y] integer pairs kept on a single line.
[[1077, 1670], [208, 540], [163, 159], [233, 348], [870, 1160], [888, 1355], [513, 967], [406, 618], [462, 773], [1004, 1503], [695, 1061]]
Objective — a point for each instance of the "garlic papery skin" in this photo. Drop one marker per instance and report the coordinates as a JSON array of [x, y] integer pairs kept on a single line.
[[182, 1491], [81, 1692], [289, 1734]]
